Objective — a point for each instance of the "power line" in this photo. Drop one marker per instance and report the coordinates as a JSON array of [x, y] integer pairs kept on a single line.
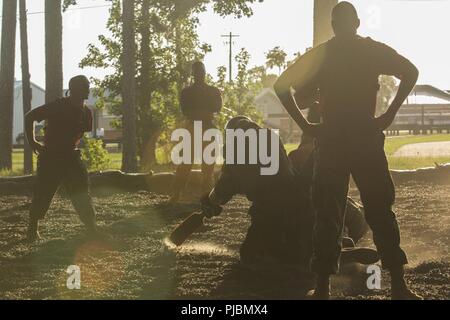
[[70, 9], [230, 42]]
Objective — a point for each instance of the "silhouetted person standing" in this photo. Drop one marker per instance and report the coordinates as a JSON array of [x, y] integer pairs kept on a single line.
[[350, 141], [199, 102], [59, 160]]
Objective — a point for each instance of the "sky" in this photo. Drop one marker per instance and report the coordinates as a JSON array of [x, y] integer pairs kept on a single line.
[[418, 29]]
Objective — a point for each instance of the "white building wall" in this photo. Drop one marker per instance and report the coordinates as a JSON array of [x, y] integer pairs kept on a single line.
[[38, 99]]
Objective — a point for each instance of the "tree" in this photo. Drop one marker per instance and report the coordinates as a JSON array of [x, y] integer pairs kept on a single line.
[[53, 50], [276, 58], [7, 82], [26, 87], [259, 75], [238, 96], [129, 159], [162, 67], [145, 93]]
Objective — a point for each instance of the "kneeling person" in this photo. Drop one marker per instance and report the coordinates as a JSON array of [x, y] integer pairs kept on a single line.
[[59, 160], [281, 211]]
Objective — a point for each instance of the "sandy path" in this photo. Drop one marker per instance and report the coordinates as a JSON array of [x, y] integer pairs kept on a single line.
[[425, 149]]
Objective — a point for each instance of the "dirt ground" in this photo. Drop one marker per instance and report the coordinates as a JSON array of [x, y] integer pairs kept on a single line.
[[137, 263]]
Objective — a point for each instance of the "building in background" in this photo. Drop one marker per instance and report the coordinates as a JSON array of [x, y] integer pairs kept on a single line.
[[427, 109], [103, 122], [275, 116], [38, 99]]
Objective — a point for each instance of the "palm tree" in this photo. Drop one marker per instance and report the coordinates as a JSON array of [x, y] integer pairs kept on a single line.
[[129, 159], [26, 87], [53, 50], [323, 30], [276, 58], [8, 45]]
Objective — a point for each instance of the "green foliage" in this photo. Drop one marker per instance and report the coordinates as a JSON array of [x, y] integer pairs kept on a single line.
[[67, 3], [238, 8], [276, 58], [174, 45], [10, 173], [95, 155], [238, 96]]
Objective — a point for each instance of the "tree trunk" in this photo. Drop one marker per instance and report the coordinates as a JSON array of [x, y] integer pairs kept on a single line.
[[149, 155], [145, 92], [53, 50], [323, 30], [8, 45], [26, 86], [129, 159], [182, 78]]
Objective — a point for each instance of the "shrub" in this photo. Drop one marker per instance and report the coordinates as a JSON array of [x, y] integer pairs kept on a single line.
[[95, 155]]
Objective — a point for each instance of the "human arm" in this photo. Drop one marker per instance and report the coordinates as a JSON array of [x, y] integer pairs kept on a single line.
[[36, 115], [302, 76], [396, 65], [222, 192]]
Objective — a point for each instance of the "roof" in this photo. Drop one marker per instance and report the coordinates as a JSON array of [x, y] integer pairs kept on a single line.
[[18, 84], [264, 92], [421, 90], [430, 91]]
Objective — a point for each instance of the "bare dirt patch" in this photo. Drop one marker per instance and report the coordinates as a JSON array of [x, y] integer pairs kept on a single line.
[[137, 263]]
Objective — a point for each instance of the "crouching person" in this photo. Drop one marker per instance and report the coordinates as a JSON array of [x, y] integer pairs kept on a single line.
[[59, 160], [281, 210], [275, 233]]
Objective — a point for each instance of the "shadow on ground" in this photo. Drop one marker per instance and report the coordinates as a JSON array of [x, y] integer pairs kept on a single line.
[[136, 263]]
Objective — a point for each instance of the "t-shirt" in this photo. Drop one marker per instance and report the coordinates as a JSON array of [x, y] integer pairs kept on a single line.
[[65, 124], [199, 102], [346, 72]]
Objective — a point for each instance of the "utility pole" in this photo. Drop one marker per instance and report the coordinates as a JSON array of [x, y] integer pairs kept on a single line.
[[230, 43]]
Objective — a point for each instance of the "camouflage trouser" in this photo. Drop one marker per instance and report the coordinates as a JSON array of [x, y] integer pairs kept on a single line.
[[339, 155], [67, 170], [183, 171]]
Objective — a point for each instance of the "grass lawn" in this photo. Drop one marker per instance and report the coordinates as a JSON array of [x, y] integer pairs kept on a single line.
[[392, 145], [403, 163]]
